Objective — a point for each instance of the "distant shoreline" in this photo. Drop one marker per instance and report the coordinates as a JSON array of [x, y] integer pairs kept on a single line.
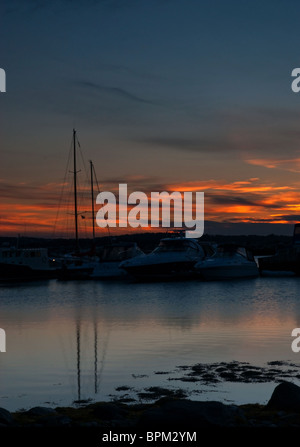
[[259, 245]]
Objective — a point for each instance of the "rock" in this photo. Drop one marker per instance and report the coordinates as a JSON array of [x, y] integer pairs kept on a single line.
[[108, 411], [91, 424], [5, 417], [187, 414], [42, 411], [286, 396], [289, 420], [60, 421], [48, 417]]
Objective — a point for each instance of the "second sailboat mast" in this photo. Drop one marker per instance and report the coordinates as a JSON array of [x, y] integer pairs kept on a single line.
[[92, 196], [75, 190]]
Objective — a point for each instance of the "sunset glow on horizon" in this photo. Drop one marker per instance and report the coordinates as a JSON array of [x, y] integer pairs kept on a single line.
[[37, 211]]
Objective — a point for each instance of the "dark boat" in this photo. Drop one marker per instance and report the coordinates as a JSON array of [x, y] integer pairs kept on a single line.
[[111, 256], [174, 258], [26, 264], [287, 259], [228, 262]]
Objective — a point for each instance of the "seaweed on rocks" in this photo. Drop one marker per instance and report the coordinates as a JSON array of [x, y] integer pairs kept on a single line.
[[235, 371]]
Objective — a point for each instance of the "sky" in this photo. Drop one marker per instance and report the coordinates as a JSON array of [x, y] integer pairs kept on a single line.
[[180, 95]]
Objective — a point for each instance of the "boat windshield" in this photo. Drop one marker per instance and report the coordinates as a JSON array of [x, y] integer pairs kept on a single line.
[[231, 250], [174, 245], [118, 253]]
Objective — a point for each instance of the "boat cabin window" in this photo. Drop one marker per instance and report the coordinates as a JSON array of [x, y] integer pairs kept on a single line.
[[242, 251], [111, 254], [8, 254], [173, 245], [229, 250], [208, 249]]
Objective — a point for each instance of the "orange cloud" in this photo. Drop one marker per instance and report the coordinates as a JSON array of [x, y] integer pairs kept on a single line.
[[34, 209], [251, 185], [291, 164]]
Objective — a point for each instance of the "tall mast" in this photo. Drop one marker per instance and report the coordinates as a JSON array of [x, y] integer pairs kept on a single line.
[[75, 190], [92, 195]]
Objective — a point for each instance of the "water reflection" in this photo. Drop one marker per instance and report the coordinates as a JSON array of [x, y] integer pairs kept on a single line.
[[77, 340]]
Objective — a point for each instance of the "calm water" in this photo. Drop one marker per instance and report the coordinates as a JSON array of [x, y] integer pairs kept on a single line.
[[82, 340]]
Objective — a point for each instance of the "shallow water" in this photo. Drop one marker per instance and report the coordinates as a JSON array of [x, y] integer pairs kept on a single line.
[[81, 340]]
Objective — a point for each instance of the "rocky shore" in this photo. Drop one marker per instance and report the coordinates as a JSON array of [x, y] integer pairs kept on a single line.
[[282, 411]]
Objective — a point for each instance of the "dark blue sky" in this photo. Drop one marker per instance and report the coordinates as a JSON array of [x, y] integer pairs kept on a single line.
[[161, 93]]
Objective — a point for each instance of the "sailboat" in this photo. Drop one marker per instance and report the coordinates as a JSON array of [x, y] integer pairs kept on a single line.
[[77, 265]]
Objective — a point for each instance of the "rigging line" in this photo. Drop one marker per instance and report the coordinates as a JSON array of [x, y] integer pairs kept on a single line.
[[98, 187], [97, 183], [79, 192], [82, 194], [82, 158], [62, 191], [85, 225]]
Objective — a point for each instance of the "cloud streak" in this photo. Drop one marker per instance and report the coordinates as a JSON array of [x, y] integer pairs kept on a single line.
[[115, 92], [290, 164], [195, 144]]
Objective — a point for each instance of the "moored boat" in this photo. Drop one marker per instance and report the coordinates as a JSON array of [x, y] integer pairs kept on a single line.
[[228, 262], [286, 261], [23, 264], [111, 256], [74, 266], [174, 258]]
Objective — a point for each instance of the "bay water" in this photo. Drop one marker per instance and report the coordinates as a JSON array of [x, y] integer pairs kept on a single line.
[[70, 341]]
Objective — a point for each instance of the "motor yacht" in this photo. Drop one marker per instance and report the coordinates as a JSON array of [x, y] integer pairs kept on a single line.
[[174, 258], [228, 262]]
